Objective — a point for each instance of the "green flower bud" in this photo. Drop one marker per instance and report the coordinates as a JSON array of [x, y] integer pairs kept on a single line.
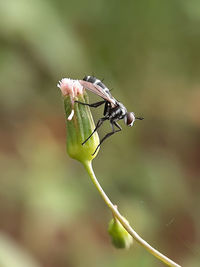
[[79, 121], [120, 237]]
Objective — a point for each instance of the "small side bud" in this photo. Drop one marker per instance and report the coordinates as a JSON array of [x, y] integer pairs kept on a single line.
[[120, 237], [79, 121]]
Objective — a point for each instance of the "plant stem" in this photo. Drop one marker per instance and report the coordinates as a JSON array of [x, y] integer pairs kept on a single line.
[[129, 229]]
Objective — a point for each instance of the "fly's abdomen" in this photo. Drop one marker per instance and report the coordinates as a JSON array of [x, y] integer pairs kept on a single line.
[[96, 81]]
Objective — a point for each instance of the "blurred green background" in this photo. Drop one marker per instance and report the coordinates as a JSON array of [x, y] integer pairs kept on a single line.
[[149, 53]]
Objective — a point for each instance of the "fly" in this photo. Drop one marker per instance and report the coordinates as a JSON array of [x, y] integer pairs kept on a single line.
[[113, 109]]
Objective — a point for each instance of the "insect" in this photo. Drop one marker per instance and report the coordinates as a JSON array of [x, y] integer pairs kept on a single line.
[[113, 109]]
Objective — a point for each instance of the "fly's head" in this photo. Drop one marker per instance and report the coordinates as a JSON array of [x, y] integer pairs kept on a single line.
[[130, 118]]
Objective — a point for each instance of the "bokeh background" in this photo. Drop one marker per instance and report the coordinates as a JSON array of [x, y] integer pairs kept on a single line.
[[148, 52]]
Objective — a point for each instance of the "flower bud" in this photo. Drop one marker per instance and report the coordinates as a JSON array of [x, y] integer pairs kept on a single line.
[[79, 122], [120, 237]]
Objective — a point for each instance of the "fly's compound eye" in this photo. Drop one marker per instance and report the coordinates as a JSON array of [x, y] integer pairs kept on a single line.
[[129, 118]]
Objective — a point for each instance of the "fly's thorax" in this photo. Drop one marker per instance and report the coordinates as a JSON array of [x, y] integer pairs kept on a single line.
[[117, 112], [123, 110]]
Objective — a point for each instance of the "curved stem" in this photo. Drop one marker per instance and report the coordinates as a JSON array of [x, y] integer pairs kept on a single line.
[[129, 229]]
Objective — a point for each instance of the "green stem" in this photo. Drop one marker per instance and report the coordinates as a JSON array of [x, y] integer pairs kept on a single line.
[[129, 229]]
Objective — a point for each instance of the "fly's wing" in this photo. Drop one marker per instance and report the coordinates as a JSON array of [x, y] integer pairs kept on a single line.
[[96, 89]]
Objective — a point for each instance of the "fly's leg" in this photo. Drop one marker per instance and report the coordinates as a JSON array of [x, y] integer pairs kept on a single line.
[[94, 105], [106, 108], [99, 123], [109, 134]]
